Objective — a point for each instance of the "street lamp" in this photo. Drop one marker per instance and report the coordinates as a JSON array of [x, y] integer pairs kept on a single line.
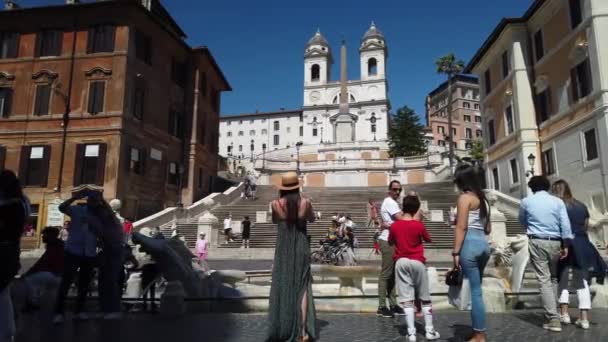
[[373, 122], [251, 148], [180, 178], [298, 145], [531, 160], [263, 156], [427, 142]]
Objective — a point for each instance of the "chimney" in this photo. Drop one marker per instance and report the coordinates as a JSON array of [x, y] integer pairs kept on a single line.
[[72, 2], [10, 5]]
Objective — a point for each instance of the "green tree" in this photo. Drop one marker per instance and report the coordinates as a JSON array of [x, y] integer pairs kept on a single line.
[[406, 134], [449, 65], [476, 151]]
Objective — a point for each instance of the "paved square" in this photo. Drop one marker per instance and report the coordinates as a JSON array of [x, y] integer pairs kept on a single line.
[[520, 326]]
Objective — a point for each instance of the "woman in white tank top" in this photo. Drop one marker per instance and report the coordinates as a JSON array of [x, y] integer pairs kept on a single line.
[[471, 250]]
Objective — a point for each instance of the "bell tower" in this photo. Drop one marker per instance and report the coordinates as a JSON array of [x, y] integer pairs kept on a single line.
[[373, 53]]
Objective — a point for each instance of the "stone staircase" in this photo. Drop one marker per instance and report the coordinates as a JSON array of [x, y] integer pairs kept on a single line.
[[328, 201]]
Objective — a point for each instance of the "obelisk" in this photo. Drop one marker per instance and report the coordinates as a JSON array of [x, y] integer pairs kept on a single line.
[[343, 80], [344, 125]]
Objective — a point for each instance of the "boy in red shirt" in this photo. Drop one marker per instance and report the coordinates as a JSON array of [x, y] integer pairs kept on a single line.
[[412, 281]]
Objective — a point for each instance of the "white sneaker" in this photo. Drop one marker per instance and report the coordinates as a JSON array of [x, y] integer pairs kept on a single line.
[[58, 319], [411, 337], [565, 319], [82, 316], [113, 315], [583, 324], [432, 335]]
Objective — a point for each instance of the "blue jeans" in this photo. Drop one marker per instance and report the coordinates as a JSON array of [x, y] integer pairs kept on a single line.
[[474, 256]]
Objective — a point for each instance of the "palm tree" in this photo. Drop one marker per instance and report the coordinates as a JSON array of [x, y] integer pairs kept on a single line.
[[450, 66]]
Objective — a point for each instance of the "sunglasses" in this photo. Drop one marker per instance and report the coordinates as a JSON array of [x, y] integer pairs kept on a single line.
[[396, 189]]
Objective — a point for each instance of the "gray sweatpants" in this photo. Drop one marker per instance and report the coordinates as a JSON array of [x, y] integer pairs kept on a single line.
[[412, 281]]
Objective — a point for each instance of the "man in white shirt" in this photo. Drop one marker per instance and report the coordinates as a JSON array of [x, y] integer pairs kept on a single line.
[[228, 228], [390, 212]]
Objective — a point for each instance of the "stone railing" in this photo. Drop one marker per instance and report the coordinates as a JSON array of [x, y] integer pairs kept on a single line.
[[178, 215], [350, 164], [504, 202]]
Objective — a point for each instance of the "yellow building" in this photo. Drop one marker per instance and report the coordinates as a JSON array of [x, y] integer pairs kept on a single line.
[[544, 93]]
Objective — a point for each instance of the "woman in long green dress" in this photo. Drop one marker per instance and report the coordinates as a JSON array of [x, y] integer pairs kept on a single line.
[[291, 310]]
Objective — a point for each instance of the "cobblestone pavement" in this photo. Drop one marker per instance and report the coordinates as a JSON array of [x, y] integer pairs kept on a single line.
[[520, 326]]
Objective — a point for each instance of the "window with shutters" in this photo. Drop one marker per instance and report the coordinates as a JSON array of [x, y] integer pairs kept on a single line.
[[544, 105], [175, 124], [440, 129], [276, 139], [203, 84], [96, 96], [468, 133], [89, 167], [478, 133], [179, 73], [466, 105], [539, 45], [6, 97], [34, 165], [576, 13], [2, 156], [137, 160], [590, 144], [143, 47], [101, 38], [491, 133], [215, 100], [9, 45], [514, 168], [276, 125], [139, 97], [43, 99], [506, 66], [509, 119], [487, 81], [495, 179], [48, 43], [467, 118], [548, 162], [477, 118], [580, 80], [173, 174]]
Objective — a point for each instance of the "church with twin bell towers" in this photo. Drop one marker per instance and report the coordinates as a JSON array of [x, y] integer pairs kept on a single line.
[[346, 110], [339, 137]]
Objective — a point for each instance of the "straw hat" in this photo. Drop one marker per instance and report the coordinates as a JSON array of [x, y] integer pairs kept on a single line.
[[289, 181]]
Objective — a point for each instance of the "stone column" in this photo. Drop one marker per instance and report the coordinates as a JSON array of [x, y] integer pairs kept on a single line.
[[205, 226]]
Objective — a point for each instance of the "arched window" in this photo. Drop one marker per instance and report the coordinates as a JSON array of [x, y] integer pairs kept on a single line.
[[351, 99], [372, 67], [315, 72]]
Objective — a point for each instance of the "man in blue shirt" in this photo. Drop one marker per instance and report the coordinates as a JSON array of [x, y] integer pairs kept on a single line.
[[548, 227], [80, 253]]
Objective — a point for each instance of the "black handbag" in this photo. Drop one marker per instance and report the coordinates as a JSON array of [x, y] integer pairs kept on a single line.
[[454, 277]]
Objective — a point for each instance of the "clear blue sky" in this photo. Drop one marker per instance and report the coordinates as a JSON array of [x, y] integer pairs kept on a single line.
[[259, 44]]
